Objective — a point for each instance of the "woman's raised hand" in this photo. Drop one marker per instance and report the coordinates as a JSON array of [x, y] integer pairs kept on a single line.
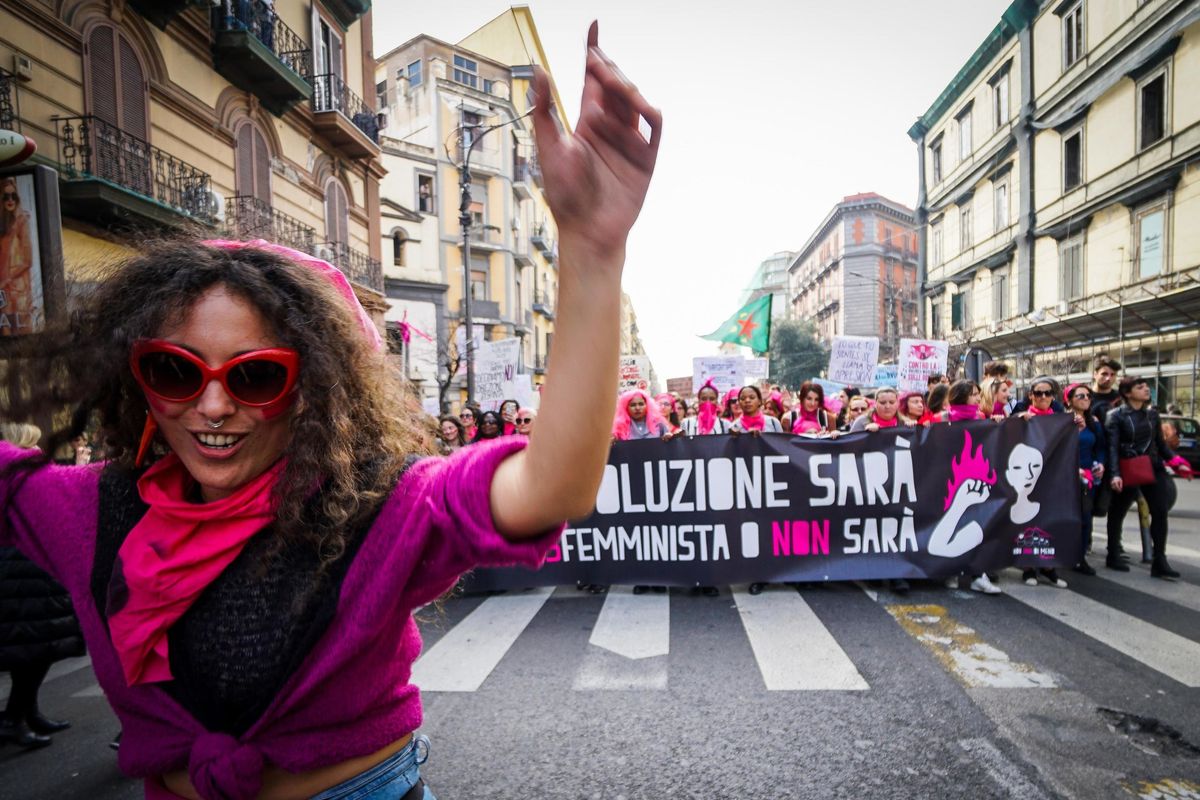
[[596, 179]]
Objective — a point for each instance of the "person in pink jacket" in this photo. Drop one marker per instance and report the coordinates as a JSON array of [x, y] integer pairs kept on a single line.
[[246, 565]]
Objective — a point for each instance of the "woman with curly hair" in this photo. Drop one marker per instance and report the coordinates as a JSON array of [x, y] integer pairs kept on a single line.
[[246, 565]]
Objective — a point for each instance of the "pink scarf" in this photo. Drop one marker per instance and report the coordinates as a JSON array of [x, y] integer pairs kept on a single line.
[[1038, 412], [175, 551], [706, 417], [963, 413], [753, 423], [887, 423], [807, 422]]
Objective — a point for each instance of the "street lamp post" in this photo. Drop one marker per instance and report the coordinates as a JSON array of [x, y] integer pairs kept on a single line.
[[468, 139]]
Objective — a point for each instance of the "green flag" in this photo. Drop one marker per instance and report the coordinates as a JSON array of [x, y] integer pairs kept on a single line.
[[750, 326]]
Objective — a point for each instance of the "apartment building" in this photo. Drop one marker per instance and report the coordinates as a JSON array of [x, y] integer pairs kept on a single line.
[[222, 119], [1069, 144], [446, 101], [771, 277], [631, 339], [857, 273]]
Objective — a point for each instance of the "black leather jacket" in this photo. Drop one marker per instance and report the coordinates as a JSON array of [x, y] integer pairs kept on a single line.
[[1132, 433]]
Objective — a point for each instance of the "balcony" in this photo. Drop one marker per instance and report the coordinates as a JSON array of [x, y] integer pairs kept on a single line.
[[525, 174], [542, 241], [539, 364], [482, 310], [161, 12], [521, 255], [111, 177], [487, 237], [357, 266], [543, 304], [250, 218], [254, 50], [347, 11], [8, 97], [343, 118]]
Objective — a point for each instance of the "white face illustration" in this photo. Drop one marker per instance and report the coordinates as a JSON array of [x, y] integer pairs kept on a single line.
[[1024, 469]]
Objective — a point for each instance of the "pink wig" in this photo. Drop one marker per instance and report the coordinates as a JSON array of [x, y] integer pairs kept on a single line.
[[621, 421]]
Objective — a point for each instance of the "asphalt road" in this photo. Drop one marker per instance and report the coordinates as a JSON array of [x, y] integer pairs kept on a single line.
[[833, 691]]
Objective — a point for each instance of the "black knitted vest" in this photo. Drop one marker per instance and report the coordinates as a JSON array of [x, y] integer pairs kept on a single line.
[[250, 629]]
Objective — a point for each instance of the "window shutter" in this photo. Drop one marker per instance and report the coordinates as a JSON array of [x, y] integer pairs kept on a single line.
[[335, 56], [331, 230], [102, 80], [244, 161], [262, 167], [343, 216], [132, 112]]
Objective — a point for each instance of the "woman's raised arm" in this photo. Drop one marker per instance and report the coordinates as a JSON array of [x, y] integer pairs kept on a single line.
[[596, 181]]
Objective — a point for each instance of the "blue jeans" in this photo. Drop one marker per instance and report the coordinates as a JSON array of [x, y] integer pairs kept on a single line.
[[387, 780]]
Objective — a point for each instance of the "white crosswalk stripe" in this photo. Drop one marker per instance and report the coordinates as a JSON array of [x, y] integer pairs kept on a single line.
[[1183, 594], [1159, 649], [467, 654], [794, 649], [629, 643]]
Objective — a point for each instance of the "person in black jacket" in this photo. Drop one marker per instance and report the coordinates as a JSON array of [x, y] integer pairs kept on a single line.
[[1133, 428], [37, 628]]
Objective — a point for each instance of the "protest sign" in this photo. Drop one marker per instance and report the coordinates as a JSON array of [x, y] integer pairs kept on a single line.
[[920, 358], [633, 372], [526, 394], [885, 375], [852, 359], [725, 372], [460, 346], [830, 388], [901, 503], [755, 368], [680, 386], [431, 406], [496, 372]]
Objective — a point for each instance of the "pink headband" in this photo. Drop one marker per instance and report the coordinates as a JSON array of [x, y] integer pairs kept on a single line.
[[323, 268]]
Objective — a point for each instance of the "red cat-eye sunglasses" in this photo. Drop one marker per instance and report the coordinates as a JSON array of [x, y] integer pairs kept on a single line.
[[258, 378]]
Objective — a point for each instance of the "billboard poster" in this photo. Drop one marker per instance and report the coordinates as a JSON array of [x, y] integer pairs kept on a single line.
[[22, 299]]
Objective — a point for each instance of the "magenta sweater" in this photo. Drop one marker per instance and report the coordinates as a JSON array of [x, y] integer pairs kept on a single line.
[[351, 696]]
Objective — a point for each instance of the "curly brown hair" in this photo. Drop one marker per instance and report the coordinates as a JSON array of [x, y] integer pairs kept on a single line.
[[350, 428]]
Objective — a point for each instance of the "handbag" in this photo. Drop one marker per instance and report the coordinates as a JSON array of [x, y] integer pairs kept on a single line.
[[1137, 471]]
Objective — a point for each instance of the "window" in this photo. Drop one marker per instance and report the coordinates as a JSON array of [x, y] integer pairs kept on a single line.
[[252, 163], [960, 310], [1073, 43], [337, 213], [471, 122], [425, 201], [964, 134], [966, 227], [466, 72], [480, 267], [329, 49], [117, 94], [398, 239], [1152, 109], [1000, 108], [935, 318], [1000, 295], [478, 209], [414, 74], [487, 86], [381, 94], [1149, 229], [935, 155], [1000, 203], [1072, 159], [935, 246], [1070, 274]]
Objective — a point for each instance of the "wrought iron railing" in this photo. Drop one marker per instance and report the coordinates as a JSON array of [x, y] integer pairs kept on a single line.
[[248, 217], [261, 21], [359, 267], [543, 301], [8, 108], [89, 146], [527, 171], [488, 234], [330, 93]]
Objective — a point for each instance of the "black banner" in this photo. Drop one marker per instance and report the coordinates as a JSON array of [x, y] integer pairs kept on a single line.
[[900, 503]]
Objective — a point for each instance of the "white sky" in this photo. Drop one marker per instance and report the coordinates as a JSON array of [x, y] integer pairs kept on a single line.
[[773, 111]]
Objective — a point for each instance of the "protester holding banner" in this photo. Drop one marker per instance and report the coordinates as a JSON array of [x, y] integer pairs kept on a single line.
[[730, 410], [681, 409], [666, 405], [995, 398], [524, 421], [1092, 453], [885, 414], [855, 407], [912, 409], [451, 434], [963, 401], [707, 420], [753, 420], [1040, 401], [844, 397], [639, 417], [773, 406], [808, 416], [935, 403], [1137, 459], [280, 495]]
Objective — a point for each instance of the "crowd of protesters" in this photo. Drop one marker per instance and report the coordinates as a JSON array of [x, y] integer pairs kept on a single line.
[[1115, 419]]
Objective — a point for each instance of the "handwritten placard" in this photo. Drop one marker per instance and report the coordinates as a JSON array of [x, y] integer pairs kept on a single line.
[[852, 359], [920, 358]]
